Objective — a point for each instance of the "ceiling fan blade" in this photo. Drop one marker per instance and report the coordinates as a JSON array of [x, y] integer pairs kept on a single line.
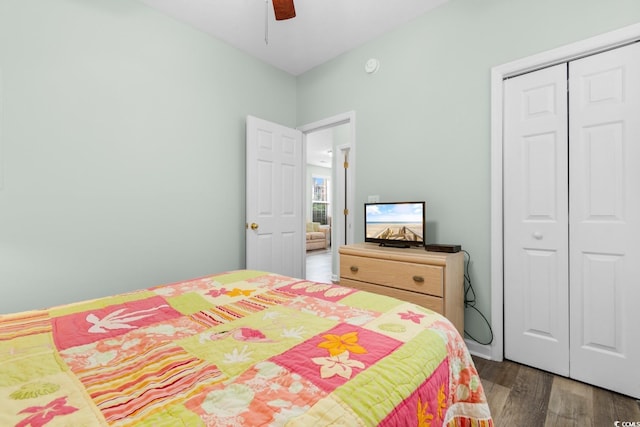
[[284, 9]]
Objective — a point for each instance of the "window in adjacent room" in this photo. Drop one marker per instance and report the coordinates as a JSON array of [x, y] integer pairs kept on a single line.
[[320, 200]]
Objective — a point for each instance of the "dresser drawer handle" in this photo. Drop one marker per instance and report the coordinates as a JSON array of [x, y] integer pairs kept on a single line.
[[354, 269], [418, 279]]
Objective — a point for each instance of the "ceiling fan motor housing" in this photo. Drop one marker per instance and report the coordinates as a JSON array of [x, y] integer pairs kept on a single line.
[[284, 9]]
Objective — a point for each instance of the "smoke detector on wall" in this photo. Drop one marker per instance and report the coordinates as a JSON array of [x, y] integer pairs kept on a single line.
[[372, 65]]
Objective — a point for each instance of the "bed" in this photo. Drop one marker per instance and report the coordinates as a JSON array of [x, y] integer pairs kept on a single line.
[[237, 348]]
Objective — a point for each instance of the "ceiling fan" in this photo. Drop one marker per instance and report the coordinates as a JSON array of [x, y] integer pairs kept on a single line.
[[284, 9]]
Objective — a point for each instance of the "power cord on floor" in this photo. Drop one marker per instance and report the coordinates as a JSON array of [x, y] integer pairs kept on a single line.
[[470, 300]]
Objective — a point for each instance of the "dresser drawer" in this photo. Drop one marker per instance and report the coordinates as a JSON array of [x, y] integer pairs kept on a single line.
[[421, 278], [427, 301]]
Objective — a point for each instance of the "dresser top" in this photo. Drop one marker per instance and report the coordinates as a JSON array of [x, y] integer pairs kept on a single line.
[[412, 254]]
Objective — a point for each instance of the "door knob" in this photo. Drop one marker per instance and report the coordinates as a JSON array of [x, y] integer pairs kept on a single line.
[[254, 226], [537, 235]]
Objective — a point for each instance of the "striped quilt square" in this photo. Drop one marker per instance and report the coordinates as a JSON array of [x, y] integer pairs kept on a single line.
[[219, 315], [147, 382], [24, 324]]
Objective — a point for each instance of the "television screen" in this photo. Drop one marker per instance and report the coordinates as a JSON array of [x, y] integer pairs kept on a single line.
[[395, 224]]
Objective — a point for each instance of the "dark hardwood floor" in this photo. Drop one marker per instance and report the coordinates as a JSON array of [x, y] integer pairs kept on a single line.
[[522, 396]]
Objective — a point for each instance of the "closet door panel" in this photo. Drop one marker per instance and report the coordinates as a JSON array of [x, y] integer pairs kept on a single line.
[[604, 189], [602, 163], [601, 281], [535, 215]]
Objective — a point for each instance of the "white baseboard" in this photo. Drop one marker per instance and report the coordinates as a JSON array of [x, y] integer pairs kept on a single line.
[[480, 350]]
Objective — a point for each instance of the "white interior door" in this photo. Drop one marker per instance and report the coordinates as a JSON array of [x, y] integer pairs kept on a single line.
[[274, 234], [536, 290], [605, 219]]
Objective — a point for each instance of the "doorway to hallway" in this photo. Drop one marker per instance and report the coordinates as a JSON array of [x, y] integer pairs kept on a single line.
[[339, 172]]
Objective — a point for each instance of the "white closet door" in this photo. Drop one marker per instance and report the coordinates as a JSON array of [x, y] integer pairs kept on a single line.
[[536, 317], [605, 219]]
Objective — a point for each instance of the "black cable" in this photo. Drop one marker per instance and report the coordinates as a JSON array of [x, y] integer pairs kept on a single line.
[[488, 325], [468, 301], [471, 301]]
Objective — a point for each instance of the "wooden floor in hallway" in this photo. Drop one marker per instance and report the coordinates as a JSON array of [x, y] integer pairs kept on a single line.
[[319, 265]]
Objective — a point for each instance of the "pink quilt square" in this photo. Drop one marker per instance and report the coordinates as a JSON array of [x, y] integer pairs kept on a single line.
[[94, 325], [427, 405], [332, 358]]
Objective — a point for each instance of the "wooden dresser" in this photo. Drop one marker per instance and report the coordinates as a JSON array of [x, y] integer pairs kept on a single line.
[[434, 280]]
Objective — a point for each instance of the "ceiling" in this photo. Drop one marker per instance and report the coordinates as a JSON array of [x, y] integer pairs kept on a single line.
[[321, 30]]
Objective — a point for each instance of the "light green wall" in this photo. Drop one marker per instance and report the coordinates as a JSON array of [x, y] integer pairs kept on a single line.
[[122, 134], [423, 120], [123, 149]]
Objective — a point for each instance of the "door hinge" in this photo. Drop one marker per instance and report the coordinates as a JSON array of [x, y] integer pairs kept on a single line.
[[346, 212], [346, 165]]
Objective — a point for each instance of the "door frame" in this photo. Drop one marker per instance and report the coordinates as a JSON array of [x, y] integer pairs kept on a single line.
[[337, 191], [590, 46]]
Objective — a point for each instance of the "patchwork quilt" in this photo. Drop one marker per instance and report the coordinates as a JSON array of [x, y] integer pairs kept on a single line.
[[237, 348]]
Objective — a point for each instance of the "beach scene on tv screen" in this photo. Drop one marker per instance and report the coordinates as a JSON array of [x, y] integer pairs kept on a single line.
[[395, 222]]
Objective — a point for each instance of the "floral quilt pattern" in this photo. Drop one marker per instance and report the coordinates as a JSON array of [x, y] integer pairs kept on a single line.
[[237, 348]]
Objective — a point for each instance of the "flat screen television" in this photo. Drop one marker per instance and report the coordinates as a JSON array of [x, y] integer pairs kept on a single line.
[[399, 224]]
